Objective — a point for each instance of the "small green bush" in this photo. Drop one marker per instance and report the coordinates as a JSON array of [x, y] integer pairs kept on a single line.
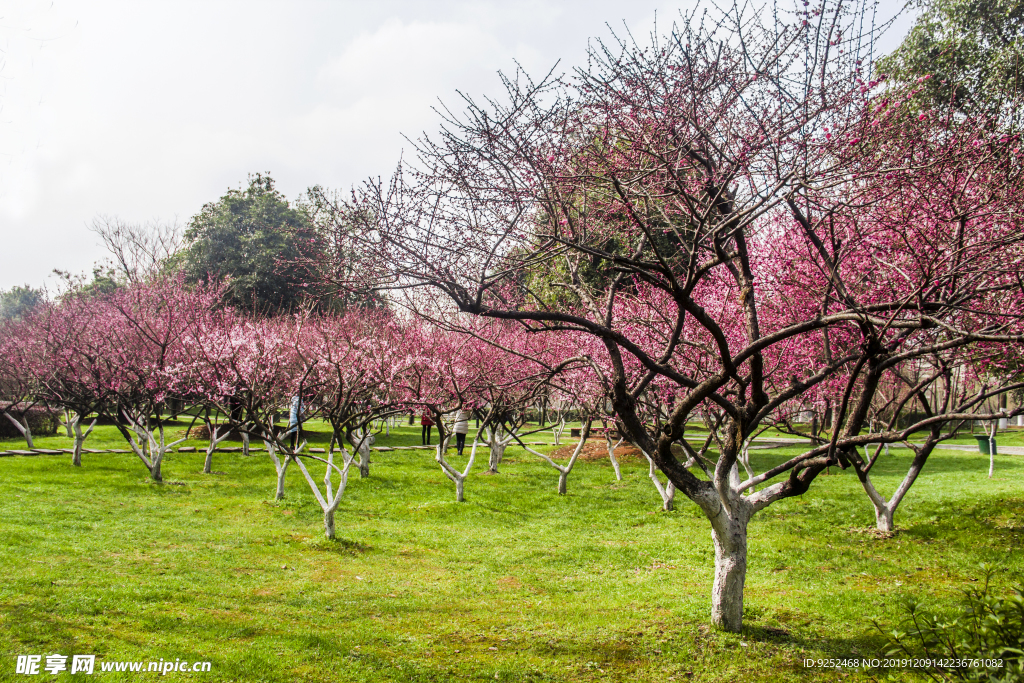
[[41, 421], [987, 628]]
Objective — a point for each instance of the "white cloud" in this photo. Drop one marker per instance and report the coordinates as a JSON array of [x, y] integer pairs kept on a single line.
[[150, 109]]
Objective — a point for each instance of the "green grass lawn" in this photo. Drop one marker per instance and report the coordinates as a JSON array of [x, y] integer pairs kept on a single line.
[[517, 584]]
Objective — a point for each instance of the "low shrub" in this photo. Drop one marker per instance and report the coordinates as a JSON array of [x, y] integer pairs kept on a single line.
[[984, 641], [41, 421]]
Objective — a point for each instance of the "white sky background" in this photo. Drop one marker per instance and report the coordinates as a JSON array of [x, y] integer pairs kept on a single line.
[[147, 110]]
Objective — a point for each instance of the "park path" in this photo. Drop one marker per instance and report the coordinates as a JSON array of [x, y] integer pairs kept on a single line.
[[773, 442]]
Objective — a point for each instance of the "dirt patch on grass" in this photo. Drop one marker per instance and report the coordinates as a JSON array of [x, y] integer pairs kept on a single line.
[[597, 449], [873, 532], [509, 582]]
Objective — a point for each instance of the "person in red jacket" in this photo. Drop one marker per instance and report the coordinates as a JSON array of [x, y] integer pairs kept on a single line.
[[428, 426]]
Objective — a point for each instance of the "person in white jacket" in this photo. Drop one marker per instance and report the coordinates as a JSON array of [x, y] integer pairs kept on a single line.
[[461, 428]]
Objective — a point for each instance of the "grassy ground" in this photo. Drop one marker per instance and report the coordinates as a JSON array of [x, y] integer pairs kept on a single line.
[[517, 584]]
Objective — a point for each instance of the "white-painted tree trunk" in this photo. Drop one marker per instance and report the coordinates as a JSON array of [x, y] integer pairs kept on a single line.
[[497, 445], [150, 446], [68, 422], [457, 477], [666, 491], [557, 430], [885, 510], [361, 440], [80, 437], [329, 502], [729, 532], [245, 440], [215, 438], [22, 426], [611, 456], [992, 450], [883, 518], [280, 465], [565, 470]]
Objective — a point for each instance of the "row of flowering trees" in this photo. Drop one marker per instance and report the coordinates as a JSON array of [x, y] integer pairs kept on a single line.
[[160, 351]]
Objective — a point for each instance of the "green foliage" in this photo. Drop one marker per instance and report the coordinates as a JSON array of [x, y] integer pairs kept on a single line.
[[988, 628], [17, 301], [973, 51], [41, 421], [105, 279], [594, 272], [256, 241]]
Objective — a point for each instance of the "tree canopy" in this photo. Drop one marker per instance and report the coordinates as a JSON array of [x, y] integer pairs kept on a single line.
[[252, 239], [17, 301], [969, 52]]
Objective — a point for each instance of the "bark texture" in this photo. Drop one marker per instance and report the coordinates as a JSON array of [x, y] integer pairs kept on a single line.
[[729, 532]]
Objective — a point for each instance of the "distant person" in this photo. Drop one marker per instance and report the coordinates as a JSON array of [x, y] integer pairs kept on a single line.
[[428, 426], [461, 428]]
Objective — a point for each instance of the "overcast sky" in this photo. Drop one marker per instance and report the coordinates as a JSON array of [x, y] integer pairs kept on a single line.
[[147, 110]]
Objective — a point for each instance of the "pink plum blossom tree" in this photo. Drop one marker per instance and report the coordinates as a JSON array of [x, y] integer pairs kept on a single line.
[[145, 326], [709, 208], [75, 368]]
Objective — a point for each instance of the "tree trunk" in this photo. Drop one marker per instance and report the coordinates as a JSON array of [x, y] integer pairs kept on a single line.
[[280, 466], [615, 466], [497, 452], [361, 445], [208, 465], [883, 518], [76, 458], [730, 535], [22, 426], [556, 431], [611, 456], [280, 481], [668, 491], [991, 450], [564, 470], [154, 471], [885, 510], [458, 478], [329, 524]]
